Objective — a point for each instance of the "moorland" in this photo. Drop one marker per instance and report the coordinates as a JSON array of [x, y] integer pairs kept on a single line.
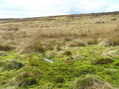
[[60, 52]]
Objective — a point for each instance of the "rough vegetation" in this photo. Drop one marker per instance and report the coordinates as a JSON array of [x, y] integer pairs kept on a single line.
[[84, 50], [90, 82]]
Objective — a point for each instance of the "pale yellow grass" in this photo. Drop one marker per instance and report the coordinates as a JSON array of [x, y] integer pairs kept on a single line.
[[65, 29]]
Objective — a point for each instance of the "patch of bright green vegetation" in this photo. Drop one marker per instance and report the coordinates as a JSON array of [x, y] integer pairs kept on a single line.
[[72, 68]]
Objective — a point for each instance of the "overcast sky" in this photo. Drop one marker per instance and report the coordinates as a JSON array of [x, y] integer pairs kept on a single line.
[[37, 8]]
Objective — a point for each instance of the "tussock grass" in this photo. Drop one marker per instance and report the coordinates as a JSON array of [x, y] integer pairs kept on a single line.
[[103, 61], [88, 29], [12, 64], [91, 82], [24, 79], [29, 46]]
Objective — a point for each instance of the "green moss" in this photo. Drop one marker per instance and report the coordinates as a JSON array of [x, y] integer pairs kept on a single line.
[[59, 79], [35, 73], [33, 62]]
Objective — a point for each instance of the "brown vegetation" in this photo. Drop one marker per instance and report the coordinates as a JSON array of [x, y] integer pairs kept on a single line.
[[103, 61], [39, 34]]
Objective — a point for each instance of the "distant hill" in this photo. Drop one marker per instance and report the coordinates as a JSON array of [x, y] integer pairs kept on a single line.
[[53, 17]]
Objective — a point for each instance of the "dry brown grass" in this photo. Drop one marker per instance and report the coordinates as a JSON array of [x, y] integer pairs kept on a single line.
[[29, 35], [29, 46]]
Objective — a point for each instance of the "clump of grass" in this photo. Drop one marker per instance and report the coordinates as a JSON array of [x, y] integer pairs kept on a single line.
[[13, 29], [24, 79], [91, 82], [104, 42], [10, 87], [113, 19], [12, 64], [114, 41], [30, 46], [59, 79], [99, 22], [116, 29], [91, 41], [33, 62], [50, 54], [57, 47], [102, 61], [3, 53], [111, 53], [2, 63], [75, 43], [110, 41], [116, 63], [6, 47], [68, 53]]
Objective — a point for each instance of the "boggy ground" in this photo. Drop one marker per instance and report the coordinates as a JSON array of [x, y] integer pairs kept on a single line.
[[83, 51]]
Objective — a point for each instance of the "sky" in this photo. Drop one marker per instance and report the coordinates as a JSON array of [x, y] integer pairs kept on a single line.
[[38, 8]]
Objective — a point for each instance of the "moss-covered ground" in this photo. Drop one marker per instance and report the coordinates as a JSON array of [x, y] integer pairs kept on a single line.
[[70, 67]]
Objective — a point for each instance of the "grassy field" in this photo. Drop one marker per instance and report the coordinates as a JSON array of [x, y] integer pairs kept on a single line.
[[83, 51]]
